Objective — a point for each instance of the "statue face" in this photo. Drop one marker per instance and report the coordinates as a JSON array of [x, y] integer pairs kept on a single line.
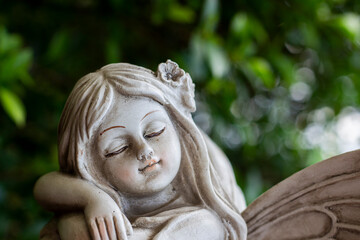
[[138, 146]]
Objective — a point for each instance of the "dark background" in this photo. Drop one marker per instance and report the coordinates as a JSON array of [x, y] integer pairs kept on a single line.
[[276, 81]]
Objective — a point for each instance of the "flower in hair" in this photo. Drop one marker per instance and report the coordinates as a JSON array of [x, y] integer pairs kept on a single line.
[[171, 74]]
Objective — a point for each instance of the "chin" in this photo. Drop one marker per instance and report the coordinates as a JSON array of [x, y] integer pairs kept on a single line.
[[157, 185]]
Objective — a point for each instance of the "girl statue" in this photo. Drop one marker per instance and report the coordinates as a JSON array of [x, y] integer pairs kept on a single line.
[[133, 164]]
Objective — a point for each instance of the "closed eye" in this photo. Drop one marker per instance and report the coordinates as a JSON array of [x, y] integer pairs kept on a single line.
[[116, 152], [155, 134]]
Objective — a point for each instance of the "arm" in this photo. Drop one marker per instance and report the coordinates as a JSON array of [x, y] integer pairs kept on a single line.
[[59, 192]]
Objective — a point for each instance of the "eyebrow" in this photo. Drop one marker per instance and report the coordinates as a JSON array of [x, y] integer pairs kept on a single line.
[[149, 114], [111, 128]]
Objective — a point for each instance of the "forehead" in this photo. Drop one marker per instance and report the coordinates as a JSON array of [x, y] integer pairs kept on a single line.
[[130, 109]]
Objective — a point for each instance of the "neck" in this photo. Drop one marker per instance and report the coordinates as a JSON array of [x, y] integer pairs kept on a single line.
[[135, 205]]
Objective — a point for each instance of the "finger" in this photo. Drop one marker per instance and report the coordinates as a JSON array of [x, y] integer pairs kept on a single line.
[[102, 229], [128, 226], [120, 228], [94, 230], [110, 228]]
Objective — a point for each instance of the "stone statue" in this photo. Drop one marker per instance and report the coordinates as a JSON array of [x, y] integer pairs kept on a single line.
[[133, 165]]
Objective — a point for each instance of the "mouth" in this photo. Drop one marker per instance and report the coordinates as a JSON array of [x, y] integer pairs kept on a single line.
[[150, 165]]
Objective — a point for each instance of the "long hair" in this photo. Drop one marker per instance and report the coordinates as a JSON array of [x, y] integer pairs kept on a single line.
[[90, 101]]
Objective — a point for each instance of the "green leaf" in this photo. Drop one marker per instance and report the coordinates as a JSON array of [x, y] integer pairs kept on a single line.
[[8, 42], [261, 69], [310, 35], [15, 66], [181, 14], [23, 59], [246, 27], [210, 15], [26, 79], [284, 66], [214, 86], [323, 12], [239, 24], [210, 9], [13, 106], [58, 45], [218, 61], [349, 24]]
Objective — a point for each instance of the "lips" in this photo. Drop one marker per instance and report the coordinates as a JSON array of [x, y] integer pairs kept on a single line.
[[149, 165]]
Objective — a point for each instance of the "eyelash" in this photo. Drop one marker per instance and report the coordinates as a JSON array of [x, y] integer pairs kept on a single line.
[[116, 152], [155, 134], [151, 135]]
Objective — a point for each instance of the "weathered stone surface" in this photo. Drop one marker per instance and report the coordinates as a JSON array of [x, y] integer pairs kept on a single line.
[[319, 202]]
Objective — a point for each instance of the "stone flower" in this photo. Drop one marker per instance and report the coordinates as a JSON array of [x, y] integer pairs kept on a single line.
[[180, 81], [171, 73]]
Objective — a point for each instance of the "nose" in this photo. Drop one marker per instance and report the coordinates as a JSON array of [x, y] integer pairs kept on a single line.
[[145, 152]]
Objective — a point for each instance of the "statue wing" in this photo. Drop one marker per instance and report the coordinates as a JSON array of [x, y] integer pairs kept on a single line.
[[320, 202]]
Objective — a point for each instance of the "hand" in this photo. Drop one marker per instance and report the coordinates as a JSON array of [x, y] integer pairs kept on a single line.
[[105, 220]]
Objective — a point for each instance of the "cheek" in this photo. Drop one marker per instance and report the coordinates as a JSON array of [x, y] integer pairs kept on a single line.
[[124, 174], [120, 173], [169, 151]]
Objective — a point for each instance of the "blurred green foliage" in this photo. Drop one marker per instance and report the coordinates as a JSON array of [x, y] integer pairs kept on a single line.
[[264, 72], [14, 64]]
